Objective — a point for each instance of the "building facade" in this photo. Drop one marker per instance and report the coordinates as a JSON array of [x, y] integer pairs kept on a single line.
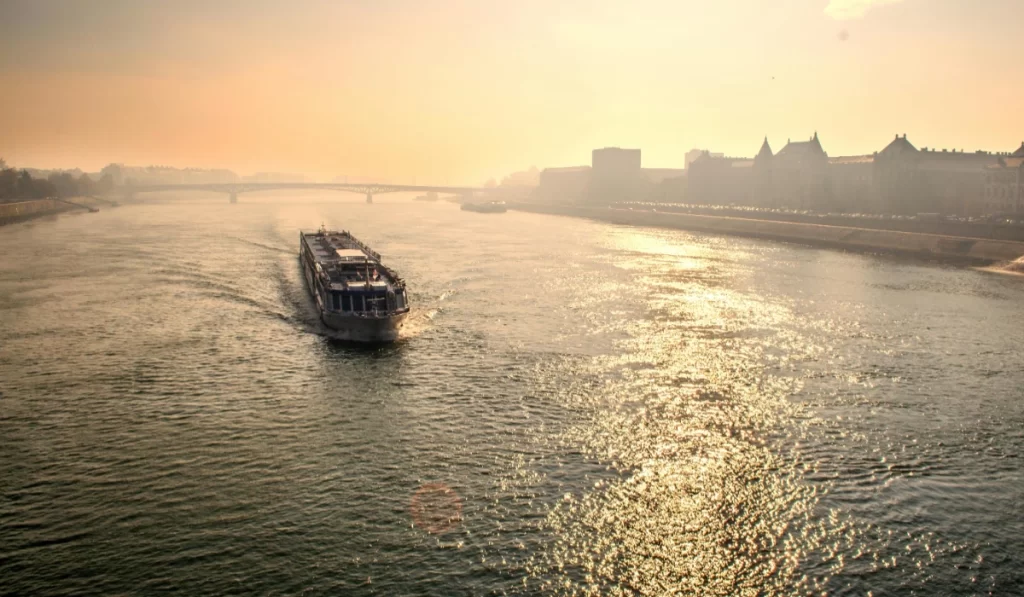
[[563, 185], [695, 154], [800, 174], [720, 180], [615, 175], [1004, 185], [852, 186], [899, 179]]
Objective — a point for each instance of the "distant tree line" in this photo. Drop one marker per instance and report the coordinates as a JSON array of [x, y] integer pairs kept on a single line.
[[20, 186]]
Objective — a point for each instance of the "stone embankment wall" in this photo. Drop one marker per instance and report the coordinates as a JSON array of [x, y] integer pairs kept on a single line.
[[940, 226], [957, 248], [26, 210], [23, 210]]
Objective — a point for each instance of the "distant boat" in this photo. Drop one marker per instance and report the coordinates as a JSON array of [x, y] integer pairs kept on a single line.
[[489, 207], [430, 196]]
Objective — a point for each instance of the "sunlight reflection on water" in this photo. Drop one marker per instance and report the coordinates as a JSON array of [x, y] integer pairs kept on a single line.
[[581, 409]]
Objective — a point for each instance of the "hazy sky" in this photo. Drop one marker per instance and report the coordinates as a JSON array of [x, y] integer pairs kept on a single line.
[[463, 90]]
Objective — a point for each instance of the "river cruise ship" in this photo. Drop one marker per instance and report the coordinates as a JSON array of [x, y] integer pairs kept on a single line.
[[358, 297]]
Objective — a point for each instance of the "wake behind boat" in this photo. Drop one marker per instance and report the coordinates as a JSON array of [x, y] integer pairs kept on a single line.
[[356, 295]]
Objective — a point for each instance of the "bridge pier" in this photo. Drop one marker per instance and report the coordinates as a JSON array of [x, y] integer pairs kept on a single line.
[[369, 197], [234, 198]]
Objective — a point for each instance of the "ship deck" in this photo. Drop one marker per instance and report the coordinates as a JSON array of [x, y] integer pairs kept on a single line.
[[333, 248], [348, 263]]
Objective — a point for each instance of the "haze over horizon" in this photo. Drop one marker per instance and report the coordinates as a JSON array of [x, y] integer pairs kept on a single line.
[[462, 91]]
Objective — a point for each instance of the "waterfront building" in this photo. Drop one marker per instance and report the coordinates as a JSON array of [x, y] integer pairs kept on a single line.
[[694, 154], [720, 180], [274, 177], [800, 174], [1004, 185], [763, 193], [797, 176], [564, 185], [953, 182], [895, 176], [523, 178], [667, 189], [913, 181], [615, 175], [657, 176], [852, 186], [136, 175], [900, 178]]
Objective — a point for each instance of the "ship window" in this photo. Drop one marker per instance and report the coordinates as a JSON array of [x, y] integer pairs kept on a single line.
[[346, 302], [334, 299]]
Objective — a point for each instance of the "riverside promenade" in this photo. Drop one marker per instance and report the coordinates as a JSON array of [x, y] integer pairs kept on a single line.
[[961, 249]]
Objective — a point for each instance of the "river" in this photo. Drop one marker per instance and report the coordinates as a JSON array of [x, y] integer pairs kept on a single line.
[[574, 408]]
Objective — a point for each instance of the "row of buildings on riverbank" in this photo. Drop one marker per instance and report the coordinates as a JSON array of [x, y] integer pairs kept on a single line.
[[148, 175], [899, 178], [615, 174]]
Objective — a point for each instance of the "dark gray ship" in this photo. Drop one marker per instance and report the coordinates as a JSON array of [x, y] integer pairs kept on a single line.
[[489, 207], [358, 297]]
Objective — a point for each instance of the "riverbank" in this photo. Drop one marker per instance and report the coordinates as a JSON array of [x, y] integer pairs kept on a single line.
[[20, 211], [975, 251]]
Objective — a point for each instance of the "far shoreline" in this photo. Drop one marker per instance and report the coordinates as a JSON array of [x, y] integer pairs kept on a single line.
[[979, 252]]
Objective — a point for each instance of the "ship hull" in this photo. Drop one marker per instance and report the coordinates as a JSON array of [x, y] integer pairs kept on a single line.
[[485, 208], [371, 330], [354, 328]]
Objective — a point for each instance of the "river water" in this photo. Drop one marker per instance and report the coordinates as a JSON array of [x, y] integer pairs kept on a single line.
[[575, 408]]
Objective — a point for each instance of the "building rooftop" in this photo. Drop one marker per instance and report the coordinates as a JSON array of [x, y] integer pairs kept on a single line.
[[851, 159], [567, 169], [799, 149], [955, 161], [898, 146]]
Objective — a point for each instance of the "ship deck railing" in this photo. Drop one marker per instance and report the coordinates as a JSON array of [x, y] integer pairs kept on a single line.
[[378, 314]]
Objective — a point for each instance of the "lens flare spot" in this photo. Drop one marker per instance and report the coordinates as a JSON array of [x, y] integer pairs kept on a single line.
[[435, 508]]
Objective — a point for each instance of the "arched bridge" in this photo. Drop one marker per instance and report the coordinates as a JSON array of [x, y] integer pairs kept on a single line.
[[233, 189]]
